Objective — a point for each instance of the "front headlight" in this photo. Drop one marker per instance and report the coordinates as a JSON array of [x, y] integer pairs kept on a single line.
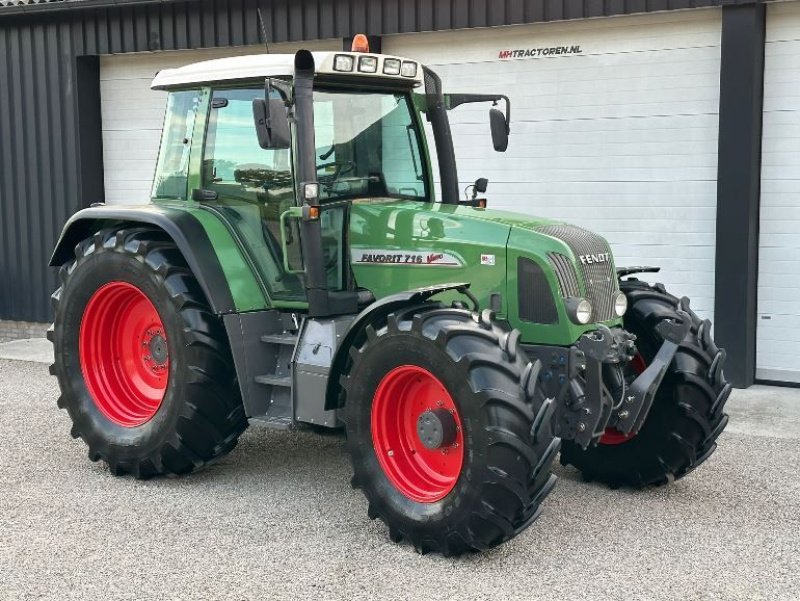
[[579, 310], [620, 304]]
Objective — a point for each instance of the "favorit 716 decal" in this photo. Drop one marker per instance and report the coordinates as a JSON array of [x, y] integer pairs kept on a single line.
[[401, 257]]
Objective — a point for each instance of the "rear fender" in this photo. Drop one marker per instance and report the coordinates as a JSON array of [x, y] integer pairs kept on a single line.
[[374, 312], [184, 229]]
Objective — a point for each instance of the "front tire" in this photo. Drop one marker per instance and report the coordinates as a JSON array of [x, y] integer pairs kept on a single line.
[[143, 365], [485, 481], [681, 430]]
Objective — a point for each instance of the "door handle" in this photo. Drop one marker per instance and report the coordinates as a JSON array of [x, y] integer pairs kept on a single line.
[[290, 213]]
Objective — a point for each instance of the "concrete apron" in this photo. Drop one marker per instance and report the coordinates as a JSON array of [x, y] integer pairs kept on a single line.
[[772, 411]]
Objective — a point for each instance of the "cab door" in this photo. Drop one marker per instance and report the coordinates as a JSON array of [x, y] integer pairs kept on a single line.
[[254, 187]]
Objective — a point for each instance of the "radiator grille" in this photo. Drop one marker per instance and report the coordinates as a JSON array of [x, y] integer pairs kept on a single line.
[[600, 279], [565, 272], [536, 302]]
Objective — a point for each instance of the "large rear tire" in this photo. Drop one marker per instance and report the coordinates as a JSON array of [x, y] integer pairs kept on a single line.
[[143, 365], [448, 374], [686, 418]]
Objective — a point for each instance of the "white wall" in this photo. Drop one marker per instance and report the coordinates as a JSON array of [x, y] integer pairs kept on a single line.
[[778, 334], [621, 138]]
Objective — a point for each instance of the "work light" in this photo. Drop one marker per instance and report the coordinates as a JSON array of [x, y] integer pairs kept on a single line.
[[391, 66], [409, 69], [343, 62], [368, 64]]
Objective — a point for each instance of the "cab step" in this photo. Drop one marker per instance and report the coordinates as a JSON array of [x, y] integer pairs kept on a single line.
[[285, 338], [272, 380]]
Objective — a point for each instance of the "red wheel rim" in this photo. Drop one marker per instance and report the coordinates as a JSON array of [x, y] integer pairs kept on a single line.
[[420, 473], [124, 354], [612, 436]]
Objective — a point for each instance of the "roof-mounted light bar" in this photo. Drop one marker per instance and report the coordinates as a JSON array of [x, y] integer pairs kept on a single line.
[[371, 64]]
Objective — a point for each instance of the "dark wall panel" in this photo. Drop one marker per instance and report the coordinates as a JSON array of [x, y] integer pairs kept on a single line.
[[50, 138], [738, 188], [39, 174]]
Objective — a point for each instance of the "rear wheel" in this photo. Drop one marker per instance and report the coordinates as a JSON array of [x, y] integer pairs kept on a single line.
[[143, 365], [686, 418], [449, 433]]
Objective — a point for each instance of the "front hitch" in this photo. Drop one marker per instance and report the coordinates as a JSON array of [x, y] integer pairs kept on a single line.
[[642, 391], [573, 376]]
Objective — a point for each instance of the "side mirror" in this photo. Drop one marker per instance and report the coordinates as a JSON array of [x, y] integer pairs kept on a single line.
[[500, 129], [481, 184], [272, 123]]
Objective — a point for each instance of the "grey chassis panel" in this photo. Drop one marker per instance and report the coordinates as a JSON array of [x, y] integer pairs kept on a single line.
[[252, 357], [308, 362], [319, 341]]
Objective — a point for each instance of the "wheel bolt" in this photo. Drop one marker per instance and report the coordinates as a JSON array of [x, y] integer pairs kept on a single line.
[[390, 453]]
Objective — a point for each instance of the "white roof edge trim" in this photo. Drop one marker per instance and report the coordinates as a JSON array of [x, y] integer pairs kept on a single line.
[[254, 66]]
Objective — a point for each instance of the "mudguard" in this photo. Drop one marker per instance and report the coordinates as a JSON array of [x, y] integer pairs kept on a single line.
[[381, 307], [184, 229]]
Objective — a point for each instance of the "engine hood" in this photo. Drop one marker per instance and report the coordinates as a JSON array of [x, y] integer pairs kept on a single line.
[[396, 246]]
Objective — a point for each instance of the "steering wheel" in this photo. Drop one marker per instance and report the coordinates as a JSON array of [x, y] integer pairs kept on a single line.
[[341, 167], [327, 180]]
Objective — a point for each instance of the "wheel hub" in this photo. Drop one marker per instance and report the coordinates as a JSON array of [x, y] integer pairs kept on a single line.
[[436, 428], [158, 349]]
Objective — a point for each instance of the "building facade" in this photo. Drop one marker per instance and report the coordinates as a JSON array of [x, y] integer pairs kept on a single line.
[[672, 127]]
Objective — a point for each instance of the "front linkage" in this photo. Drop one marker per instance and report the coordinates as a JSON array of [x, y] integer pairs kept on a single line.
[[589, 383]]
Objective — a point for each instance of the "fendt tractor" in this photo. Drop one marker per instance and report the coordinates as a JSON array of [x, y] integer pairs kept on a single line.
[[294, 268]]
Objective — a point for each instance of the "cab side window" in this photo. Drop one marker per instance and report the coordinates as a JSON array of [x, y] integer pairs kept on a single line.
[[172, 169], [233, 161]]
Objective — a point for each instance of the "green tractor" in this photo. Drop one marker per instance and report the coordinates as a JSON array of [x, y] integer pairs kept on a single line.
[[294, 269]]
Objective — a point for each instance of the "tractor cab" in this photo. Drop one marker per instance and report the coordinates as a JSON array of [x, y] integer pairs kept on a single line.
[[291, 142]]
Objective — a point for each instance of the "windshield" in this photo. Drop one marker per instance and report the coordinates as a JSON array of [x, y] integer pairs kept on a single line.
[[367, 145]]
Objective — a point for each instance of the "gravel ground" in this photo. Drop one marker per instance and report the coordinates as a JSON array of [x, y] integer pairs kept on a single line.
[[277, 519]]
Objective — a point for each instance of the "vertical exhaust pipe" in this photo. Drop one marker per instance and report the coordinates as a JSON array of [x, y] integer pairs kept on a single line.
[[306, 171], [442, 137]]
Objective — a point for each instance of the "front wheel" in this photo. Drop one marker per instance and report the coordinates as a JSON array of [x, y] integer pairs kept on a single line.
[[681, 430], [450, 436]]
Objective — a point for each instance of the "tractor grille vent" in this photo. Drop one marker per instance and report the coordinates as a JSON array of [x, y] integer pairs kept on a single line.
[[599, 278], [565, 272], [536, 302]]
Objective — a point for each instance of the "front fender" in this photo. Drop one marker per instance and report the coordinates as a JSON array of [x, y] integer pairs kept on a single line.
[[379, 308], [184, 229]]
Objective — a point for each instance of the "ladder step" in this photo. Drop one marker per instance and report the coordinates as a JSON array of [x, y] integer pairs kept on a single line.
[[280, 339], [276, 423], [275, 380]]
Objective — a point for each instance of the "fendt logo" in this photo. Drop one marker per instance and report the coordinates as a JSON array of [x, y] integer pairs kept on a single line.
[[598, 258], [531, 52]]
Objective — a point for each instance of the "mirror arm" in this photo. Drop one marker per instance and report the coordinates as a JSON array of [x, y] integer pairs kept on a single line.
[[283, 87], [454, 100]]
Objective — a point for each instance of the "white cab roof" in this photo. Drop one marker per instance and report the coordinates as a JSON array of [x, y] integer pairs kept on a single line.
[[256, 66]]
